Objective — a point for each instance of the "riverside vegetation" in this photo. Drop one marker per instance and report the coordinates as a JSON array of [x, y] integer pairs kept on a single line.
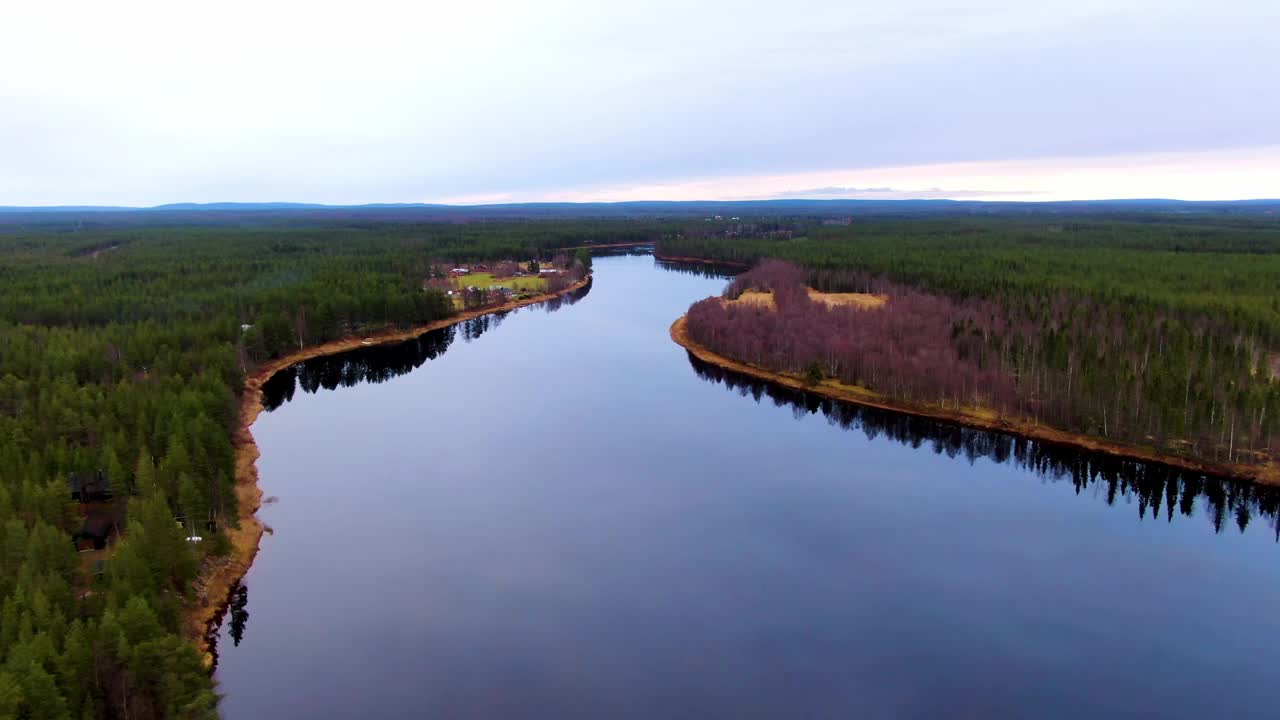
[[1161, 333], [123, 351]]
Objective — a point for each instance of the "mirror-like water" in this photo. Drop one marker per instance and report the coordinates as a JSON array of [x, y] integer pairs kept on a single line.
[[562, 514]]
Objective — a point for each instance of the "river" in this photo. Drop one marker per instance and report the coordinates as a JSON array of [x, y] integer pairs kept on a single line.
[[557, 513]]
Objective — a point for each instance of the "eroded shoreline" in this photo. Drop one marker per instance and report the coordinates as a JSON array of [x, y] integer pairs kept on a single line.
[[219, 579], [700, 261], [1268, 474]]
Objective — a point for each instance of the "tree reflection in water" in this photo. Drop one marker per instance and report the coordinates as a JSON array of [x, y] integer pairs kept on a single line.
[[1158, 489], [239, 613], [379, 363], [237, 616]]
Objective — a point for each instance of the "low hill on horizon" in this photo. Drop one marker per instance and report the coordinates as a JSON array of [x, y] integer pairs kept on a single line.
[[274, 213]]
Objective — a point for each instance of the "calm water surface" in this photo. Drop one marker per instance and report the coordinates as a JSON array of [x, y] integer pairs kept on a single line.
[[558, 514]]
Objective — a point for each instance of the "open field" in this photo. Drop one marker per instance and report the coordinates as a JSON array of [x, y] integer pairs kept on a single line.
[[866, 301], [755, 297], [486, 280]]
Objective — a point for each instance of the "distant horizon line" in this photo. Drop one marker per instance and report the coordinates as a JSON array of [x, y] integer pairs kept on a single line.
[[286, 205]]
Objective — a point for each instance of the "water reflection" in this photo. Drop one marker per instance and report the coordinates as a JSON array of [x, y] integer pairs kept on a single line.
[[632, 251], [379, 363], [238, 612], [1157, 489], [707, 270], [236, 617]]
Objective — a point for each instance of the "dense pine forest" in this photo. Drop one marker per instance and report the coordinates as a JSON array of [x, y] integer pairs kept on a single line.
[[122, 352], [1156, 331]]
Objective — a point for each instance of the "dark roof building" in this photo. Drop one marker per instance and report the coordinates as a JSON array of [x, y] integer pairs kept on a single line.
[[90, 487]]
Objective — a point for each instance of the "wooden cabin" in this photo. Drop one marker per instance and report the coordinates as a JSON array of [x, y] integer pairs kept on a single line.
[[90, 488]]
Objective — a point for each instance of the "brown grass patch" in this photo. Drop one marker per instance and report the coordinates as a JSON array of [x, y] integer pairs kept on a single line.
[[756, 297], [865, 301]]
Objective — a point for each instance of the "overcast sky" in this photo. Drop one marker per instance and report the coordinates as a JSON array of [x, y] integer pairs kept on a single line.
[[141, 103]]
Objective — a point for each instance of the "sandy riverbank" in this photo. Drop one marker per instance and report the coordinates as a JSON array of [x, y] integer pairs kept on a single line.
[[1268, 474], [219, 578], [607, 246], [699, 261]]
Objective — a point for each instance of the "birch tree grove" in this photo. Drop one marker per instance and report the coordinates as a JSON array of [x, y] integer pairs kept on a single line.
[[1192, 382]]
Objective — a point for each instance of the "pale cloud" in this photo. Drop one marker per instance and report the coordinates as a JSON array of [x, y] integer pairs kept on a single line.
[[477, 199], [1219, 175], [144, 102], [890, 193]]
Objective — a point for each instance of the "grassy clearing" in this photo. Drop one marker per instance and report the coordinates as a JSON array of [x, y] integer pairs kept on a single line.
[[860, 300], [755, 297], [866, 301], [485, 280]]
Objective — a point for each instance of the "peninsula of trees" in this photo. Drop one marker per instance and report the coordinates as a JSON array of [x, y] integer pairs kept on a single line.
[[1159, 333]]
